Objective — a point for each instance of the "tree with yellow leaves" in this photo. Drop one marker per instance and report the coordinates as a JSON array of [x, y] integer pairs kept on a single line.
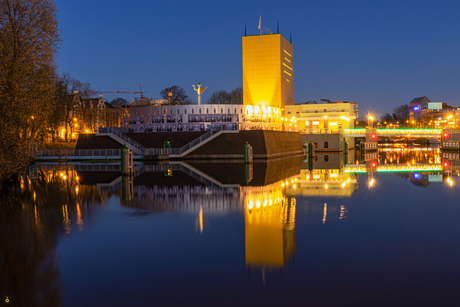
[[29, 43]]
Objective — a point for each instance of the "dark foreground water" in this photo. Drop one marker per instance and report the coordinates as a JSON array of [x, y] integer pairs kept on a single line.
[[212, 234]]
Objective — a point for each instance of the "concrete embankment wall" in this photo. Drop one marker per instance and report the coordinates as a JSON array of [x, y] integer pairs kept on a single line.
[[91, 141], [265, 144]]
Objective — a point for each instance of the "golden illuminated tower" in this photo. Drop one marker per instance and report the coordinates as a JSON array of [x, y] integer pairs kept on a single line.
[[268, 70]]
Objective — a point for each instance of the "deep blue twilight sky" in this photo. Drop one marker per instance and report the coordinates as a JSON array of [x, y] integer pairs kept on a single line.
[[379, 54]]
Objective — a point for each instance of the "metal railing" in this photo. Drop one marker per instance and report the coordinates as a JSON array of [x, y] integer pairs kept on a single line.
[[180, 151], [78, 152], [123, 137], [157, 151], [195, 142], [98, 168]]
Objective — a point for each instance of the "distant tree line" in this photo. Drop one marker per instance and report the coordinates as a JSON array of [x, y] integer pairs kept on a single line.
[[235, 96], [400, 114]]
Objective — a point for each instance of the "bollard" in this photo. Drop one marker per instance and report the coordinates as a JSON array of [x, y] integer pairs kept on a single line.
[[127, 165], [248, 173], [310, 149], [123, 157], [247, 153], [310, 164], [345, 147]]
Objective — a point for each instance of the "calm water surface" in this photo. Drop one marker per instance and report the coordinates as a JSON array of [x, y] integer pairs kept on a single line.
[[213, 234]]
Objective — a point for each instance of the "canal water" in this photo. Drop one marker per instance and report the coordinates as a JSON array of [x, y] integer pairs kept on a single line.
[[338, 232]]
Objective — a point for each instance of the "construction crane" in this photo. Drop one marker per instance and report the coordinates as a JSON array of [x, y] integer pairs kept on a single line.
[[122, 92]]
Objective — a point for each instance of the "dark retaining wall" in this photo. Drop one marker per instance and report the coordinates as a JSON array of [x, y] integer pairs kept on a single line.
[[91, 141], [265, 144]]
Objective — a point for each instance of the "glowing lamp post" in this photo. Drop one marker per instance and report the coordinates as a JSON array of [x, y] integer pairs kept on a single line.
[[370, 119]]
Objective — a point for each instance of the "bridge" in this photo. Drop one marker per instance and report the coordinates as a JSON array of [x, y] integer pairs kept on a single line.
[[361, 168], [384, 132]]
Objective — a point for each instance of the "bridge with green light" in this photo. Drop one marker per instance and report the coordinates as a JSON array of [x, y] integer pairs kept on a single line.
[[362, 168], [402, 132]]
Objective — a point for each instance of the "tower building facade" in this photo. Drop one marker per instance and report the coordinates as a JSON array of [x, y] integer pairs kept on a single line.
[[268, 71]]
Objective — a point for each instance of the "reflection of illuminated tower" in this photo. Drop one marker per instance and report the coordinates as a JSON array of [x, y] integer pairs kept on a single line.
[[268, 70], [270, 231]]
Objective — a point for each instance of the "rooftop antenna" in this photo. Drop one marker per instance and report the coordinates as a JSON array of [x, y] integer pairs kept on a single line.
[[278, 26], [169, 92], [260, 21]]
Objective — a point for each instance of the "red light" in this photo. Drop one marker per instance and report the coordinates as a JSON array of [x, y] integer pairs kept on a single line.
[[446, 164], [373, 164], [445, 135], [373, 136]]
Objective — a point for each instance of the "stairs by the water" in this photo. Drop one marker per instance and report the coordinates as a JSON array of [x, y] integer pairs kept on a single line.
[[121, 138], [198, 142], [188, 148]]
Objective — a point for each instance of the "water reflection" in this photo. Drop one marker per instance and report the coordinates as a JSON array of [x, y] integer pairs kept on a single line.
[[51, 202]]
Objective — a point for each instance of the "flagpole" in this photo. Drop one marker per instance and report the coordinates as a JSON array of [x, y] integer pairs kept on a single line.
[[260, 28]]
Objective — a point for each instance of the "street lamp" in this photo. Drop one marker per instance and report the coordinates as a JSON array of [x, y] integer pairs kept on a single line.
[[370, 121]]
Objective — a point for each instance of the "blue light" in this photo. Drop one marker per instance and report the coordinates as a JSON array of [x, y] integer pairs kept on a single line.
[[417, 176], [416, 108]]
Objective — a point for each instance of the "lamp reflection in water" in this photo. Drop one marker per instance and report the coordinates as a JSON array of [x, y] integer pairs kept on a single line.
[[269, 227], [201, 221]]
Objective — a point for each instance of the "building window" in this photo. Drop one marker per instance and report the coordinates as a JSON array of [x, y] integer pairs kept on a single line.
[[170, 111], [193, 111], [241, 111], [185, 111], [164, 111], [325, 110], [221, 110], [315, 144], [177, 111], [289, 112], [235, 110], [214, 110], [200, 111], [326, 144], [326, 158], [207, 111], [316, 158], [228, 110]]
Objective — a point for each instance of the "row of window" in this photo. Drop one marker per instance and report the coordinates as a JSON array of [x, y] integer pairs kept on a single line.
[[318, 111], [185, 112], [326, 144]]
